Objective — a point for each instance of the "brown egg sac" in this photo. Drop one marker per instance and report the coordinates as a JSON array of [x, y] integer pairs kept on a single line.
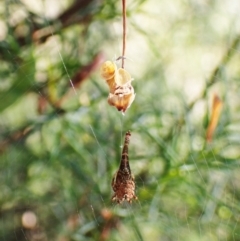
[[123, 183], [121, 93]]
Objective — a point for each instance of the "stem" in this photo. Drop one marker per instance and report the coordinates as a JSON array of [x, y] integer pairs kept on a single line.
[[124, 30]]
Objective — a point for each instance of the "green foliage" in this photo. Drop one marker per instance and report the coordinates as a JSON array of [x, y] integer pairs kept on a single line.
[[60, 146]]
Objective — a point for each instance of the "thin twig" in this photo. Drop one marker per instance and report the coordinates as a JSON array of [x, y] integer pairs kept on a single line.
[[228, 55], [124, 30], [214, 76], [75, 14]]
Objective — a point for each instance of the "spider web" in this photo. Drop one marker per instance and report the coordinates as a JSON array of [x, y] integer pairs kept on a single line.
[[57, 164]]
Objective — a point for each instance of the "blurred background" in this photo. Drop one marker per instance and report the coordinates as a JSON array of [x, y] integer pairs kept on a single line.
[[60, 141]]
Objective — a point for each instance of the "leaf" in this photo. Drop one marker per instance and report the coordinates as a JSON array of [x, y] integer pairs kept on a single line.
[[22, 84]]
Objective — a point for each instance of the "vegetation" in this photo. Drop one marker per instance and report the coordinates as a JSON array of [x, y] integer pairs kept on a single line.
[[60, 141]]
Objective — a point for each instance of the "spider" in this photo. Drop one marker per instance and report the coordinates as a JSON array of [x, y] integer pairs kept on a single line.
[[123, 182]]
